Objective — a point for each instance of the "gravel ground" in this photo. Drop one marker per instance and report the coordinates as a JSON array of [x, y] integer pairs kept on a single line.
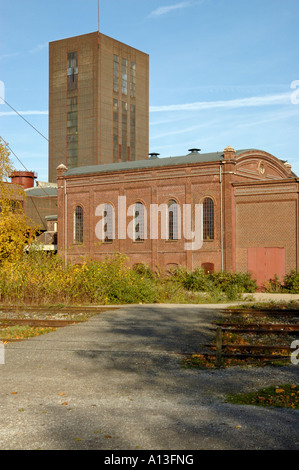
[[115, 383]]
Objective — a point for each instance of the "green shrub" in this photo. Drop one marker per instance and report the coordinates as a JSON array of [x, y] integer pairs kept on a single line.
[[238, 282], [143, 270], [198, 281], [274, 285], [291, 282]]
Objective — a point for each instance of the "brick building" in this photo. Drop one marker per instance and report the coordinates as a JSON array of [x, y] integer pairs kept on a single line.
[[247, 202], [98, 102]]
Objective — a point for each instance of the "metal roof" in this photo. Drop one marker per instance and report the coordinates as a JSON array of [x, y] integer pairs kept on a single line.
[[41, 192], [193, 157]]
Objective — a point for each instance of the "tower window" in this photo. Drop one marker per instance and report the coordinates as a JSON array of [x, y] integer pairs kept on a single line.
[[133, 79], [124, 76], [133, 132], [72, 132], [72, 70], [124, 130], [115, 73], [115, 130]]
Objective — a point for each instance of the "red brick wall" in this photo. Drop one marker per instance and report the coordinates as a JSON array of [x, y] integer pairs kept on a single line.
[[267, 216], [258, 209], [155, 186]]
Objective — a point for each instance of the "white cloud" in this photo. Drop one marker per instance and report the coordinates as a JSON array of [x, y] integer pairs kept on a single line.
[[254, 101], [7, 56], [38, 48], [24, 113], [35, 50], [165, 10]]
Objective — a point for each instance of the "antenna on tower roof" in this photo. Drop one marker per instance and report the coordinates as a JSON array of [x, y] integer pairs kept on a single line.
[[98, 16]]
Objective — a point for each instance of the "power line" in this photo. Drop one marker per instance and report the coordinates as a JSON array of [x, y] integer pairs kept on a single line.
[[31, 197], [16, 156], [31, 125]]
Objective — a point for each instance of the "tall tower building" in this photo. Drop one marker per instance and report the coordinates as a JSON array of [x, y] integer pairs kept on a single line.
[[98, 102]]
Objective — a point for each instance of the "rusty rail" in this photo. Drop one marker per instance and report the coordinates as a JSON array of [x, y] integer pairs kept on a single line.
[[249, 346], [262, 312], [248, 356], [266, 326], [247, 351]]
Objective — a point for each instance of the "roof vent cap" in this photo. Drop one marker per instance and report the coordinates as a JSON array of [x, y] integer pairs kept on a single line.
[[194, 150], [154, 155]]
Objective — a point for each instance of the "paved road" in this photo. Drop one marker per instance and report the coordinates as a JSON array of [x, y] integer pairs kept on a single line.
[[115, 383]]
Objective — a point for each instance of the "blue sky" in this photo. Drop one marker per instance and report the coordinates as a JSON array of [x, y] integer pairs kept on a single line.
[[221, 71]]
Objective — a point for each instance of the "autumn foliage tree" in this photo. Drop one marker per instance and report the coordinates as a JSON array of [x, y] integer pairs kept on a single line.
[[16, 230]]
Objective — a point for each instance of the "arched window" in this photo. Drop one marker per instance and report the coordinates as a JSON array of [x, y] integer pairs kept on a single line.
[[78, 225], [139, 222], [208, 219], [173, 228], [108, 223]]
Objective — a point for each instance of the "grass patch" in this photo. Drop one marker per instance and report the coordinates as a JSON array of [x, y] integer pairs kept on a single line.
[[282, 396], [23, 332]]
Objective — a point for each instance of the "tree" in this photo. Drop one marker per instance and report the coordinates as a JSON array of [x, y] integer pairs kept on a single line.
[[16, 230]]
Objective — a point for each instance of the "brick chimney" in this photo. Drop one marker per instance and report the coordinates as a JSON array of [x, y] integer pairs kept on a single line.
[[61, 169]]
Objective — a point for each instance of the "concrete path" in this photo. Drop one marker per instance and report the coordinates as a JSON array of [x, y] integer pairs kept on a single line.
[[115, 383], [270, 297]]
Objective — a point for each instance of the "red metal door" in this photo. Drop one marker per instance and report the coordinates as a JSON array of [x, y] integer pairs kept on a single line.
[[265, 263]]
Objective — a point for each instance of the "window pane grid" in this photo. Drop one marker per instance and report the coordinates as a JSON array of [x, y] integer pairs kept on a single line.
[[139, 222], [78, 226], [172, 221], [208, 219], [124, 76], [115, 73], [108, 223], [72, 70]]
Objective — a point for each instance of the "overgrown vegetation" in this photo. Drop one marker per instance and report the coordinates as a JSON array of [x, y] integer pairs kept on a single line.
[[289, 284], [39, 278], [230, 284]]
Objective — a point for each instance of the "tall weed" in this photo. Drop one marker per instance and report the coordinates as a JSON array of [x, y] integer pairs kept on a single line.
[[39, 278]]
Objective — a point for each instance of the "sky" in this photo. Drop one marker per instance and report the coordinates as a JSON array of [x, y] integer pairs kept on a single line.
[[222, 72]]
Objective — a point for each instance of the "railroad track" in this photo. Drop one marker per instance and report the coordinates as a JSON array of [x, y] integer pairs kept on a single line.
[[5, 322], [56, 310], [253, 351], [278, 328], [248, 347], [262, 312]]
